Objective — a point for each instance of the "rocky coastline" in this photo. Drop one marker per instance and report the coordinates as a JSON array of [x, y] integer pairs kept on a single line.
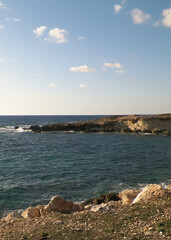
[[149, 209], [146, 124]]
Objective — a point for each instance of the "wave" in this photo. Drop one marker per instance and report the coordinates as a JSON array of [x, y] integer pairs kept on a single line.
[[14, 129]]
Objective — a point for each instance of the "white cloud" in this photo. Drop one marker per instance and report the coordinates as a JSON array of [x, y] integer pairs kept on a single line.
[[16, 19], [57, 35], [167, 17], [2, 60], [2, 26], [81, 38], [39, 31], [52, 85], [82, 85], [112, 65], [139, 17], [83, 68], [13, 19], [119, 71], [118, 8], [2, 5]]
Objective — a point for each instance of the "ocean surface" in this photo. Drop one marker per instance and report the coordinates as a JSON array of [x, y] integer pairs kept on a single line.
[[77, 166]]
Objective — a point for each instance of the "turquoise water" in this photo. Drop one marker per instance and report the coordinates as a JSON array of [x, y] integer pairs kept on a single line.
[[77, 166]]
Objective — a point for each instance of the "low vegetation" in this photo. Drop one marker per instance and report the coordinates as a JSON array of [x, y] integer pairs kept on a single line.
[[137, 222]]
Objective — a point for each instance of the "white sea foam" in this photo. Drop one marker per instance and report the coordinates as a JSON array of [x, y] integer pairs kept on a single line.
[[12, 129], [22, 129]]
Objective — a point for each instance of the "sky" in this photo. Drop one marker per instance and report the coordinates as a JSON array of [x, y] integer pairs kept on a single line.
[[85, 57]]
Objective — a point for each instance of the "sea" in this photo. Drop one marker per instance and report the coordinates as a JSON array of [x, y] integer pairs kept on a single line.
[[76, 166]]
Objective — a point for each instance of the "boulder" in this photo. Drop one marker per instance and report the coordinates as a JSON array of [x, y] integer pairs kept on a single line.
[[127, 196], [104, 198], [58, 204], [149, 193], [31, 212]]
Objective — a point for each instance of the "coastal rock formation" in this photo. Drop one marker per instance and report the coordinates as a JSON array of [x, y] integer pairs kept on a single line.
[[104, 198], [11, 216], [104, 202], [58, 204], [149, 193], [31, 212], [127, 196], [154, 124], [103, 207]]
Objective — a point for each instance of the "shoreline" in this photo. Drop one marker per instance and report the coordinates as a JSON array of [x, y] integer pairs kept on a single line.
[[119, 212], [107, 197]]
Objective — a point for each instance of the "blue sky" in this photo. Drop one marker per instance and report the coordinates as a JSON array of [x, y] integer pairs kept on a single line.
[[85, 57]]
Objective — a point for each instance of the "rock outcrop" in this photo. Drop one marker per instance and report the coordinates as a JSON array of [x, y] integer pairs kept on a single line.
[[31, 212], [154, 124], [104, 198], [127, 196], [58, 204], [102, 203], [149, 193]]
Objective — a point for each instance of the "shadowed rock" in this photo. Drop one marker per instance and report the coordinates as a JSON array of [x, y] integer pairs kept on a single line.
[[104, 198]]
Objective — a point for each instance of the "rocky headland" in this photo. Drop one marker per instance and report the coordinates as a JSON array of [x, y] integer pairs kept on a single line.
[[152, 124], [130, 214]]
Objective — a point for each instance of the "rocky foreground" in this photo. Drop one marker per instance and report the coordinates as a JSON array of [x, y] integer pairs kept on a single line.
[[153, 124], [130, 214]]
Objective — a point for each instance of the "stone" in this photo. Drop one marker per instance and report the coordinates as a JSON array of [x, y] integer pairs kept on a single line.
[[149, 193], [127, 196], [104, 198], [88, 207], [41, 210], [58, 204], [31, 212], [102, 207], [11, 216], [36, 128], [168, 188]]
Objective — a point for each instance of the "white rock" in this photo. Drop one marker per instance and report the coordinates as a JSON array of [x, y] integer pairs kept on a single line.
[[149, 193]]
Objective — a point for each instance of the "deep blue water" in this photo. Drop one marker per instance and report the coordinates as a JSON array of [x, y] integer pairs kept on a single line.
[[77, 166]]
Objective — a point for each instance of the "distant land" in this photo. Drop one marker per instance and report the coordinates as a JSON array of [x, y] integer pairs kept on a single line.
[[147, 124]]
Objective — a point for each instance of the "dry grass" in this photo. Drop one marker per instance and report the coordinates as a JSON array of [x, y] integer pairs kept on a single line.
[[141, 221]]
